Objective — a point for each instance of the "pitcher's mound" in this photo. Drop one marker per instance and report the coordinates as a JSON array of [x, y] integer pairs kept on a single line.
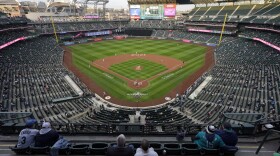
[[138, 68]]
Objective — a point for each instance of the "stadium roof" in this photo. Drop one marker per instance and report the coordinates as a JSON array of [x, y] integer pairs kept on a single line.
[[8, 2]]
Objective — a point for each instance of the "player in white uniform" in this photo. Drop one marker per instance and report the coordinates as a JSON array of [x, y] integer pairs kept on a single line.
[[27, 135]]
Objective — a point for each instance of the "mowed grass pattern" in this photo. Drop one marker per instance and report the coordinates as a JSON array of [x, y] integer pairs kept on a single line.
[[148, 69], [192, 55]]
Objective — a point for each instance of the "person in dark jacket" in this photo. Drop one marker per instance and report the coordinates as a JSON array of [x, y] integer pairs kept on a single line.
[[46, 136], [228, 135], [120, 149]]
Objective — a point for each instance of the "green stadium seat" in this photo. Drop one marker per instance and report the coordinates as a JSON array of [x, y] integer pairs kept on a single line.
[[80, 149], [99, 148], [172, 148]]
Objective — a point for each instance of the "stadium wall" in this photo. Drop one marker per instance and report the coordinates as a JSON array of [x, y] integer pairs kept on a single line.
[[138, 32]]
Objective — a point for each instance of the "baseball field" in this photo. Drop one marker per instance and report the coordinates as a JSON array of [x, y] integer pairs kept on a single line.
[[138, 70]]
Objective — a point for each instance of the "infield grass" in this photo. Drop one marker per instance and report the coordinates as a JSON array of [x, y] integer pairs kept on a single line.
[[148, 69], [192, 55]]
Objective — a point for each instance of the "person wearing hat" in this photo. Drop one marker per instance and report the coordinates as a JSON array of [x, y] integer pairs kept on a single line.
[[208, 139], [46, 136], [227, 134], [27, 135]]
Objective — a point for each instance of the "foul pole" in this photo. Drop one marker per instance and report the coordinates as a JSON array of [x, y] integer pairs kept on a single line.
[[54, 30], [221, 36]]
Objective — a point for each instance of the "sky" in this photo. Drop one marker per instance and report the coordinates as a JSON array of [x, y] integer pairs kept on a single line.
[[117, 4]]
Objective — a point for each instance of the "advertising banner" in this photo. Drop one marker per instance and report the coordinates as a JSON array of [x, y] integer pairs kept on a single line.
[[152, 12], [12, 42], [186, 41], [170, 10], [98, 33]]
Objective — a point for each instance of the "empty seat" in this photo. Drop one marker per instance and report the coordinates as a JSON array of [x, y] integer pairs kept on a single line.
[[80, 149], [99, 148], [209, 152], [172, 149], [190, 149], [135, 144], [65, 151], [158, 147]]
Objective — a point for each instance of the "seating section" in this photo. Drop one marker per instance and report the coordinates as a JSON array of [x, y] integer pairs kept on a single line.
[[12, 35], [177, 34], [46, 28], [160, 24], [268, 36], [32, 75], [259, 13]]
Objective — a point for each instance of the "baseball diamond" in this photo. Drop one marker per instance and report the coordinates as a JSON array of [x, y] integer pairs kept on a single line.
[[153, 68]]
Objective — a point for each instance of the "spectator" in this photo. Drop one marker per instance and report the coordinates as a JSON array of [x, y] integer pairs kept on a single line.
[[208, 139], [180, 134], [145, 150], [227, 134], [120, 149], [27, 135], [46, 136]]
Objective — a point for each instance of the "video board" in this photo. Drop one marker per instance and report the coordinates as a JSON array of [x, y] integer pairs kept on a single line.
[[170, 10], [135, 11], [152, 12]]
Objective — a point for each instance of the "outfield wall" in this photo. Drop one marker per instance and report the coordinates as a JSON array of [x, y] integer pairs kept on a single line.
[[138, 32]]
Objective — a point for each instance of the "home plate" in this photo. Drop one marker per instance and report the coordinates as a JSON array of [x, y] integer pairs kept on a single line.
[[107, 97], [167, 98]]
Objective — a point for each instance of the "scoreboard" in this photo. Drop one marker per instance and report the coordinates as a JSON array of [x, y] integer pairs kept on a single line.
[[152, 11]]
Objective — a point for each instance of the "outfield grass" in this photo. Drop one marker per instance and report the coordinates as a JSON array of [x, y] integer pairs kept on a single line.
[[148, 70], [192, 55]]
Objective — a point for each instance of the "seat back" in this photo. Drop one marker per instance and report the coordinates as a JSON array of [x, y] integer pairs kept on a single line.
[[209, 152], [190, 149], [21, 151], [99, 148], [158, 147], [172, 148], [80, 149]]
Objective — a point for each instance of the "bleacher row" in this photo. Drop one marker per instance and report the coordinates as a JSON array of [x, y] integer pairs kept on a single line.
[[259, 13], [100, 148]]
